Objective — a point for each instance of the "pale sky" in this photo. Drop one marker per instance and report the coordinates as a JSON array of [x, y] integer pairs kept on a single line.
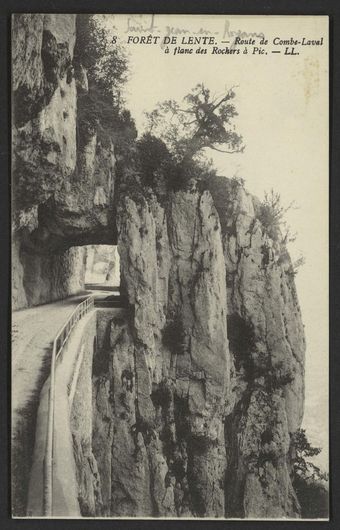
[[282, 103]]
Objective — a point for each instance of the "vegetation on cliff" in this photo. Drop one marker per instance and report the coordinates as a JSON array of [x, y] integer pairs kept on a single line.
[[309, 482], [171, 154], [101, 108], [201, 121]]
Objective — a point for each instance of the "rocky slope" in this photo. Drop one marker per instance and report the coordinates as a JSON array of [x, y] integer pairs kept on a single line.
[[198, 389]]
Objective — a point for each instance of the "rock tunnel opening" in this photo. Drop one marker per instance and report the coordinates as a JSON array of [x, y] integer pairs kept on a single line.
[[102, 266]]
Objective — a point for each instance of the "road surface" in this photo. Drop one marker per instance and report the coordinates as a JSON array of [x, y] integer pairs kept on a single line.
[[33, 332]]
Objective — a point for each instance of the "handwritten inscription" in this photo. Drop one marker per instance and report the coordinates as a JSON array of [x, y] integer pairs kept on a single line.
[[142, 30]]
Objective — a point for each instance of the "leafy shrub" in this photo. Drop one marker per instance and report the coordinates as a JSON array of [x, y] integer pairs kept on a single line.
[[313, 498], [237, 182], [155, 163], [159, 170], [271, 215], [309, 482], [188, 171]]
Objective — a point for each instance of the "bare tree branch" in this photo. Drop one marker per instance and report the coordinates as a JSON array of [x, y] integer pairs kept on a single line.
[[225, 98]]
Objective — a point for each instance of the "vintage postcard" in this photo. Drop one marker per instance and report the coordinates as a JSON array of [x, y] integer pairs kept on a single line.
[[170, 266]]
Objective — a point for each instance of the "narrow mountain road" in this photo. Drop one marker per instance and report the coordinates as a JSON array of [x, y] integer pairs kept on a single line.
[[33, 332]]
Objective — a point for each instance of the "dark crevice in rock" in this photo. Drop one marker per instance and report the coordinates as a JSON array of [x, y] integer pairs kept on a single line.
[[242, 343]]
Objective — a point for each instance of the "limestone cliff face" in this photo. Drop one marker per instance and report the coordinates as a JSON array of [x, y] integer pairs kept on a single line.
[[38, 279], [197, 418], [44, 105], [161, 377], [267, 344], [62, 186], [175, 281]]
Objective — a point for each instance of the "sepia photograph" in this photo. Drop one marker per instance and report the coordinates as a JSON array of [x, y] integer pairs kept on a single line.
[[170, 217]]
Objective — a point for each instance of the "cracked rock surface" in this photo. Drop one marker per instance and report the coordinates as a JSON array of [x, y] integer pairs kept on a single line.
[[199, 417]]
